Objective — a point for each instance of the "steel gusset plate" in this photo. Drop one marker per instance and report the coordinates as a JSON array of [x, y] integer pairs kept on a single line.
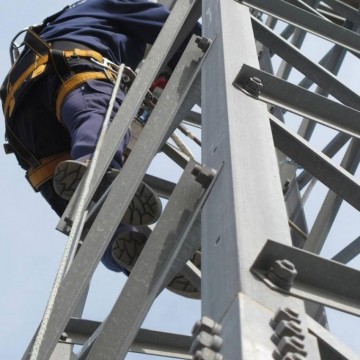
[[336, 285]]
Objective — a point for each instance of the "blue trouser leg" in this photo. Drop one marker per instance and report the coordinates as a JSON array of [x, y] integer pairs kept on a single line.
[[83, 113]]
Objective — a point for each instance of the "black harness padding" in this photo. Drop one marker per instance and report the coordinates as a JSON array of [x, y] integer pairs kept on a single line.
[[61, 65], [33, 41], [16, 146]]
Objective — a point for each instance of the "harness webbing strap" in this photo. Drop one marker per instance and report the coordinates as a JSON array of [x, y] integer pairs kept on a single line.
[[37, 68], [40, 174], [35, 43], [34, 70], [84, 53], [73, 83], [61, 66], [46, 58]]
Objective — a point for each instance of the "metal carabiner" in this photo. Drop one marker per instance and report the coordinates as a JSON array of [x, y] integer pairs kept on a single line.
[[14, 48]]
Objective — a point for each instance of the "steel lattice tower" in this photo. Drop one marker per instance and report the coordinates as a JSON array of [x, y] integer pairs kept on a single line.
[[263, 98]]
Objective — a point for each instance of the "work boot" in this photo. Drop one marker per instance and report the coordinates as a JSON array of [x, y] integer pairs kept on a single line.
[[126, 248], [144, 209], [180, 285], [129, 237]]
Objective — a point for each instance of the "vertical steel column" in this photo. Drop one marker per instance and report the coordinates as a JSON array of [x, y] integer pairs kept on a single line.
[[246, 206]]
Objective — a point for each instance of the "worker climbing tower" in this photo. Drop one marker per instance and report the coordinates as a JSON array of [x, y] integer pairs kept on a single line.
[[259, 100]]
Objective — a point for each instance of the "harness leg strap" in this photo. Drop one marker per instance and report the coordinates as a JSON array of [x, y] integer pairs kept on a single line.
[[45, 171]]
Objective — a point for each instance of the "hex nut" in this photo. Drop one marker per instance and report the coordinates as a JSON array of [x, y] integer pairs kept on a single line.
[[206, 340], [282, 274], [254, 86], [208, 325], [207, 354]]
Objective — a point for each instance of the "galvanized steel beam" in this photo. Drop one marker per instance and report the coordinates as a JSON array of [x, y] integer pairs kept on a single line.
[[297, 100], [310, 69], [325, 287], [246, 204], [332, 175], [307, 21]]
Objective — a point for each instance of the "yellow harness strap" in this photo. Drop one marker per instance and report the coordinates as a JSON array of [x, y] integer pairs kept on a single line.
[[74, 82], [37, 68], [39, 175], [85, 54]]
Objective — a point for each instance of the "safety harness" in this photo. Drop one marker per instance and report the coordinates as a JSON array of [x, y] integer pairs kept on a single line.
[[73, 67], [49, 59]]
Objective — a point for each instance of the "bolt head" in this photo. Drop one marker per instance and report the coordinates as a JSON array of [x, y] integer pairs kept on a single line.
[[206, 340], [208, 325], [64, 336], [289, 328], [203, 43], [285, 314], [291, 345], [203, 175], [207, 354], [293, 356]]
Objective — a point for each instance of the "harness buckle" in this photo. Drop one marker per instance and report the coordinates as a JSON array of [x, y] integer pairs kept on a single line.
[[108, 66]]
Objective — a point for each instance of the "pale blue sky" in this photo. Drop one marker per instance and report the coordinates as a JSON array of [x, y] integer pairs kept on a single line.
[[31, 248]]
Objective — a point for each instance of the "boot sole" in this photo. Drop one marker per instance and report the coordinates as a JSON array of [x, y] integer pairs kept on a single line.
[[126, 249], [144, 209]]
